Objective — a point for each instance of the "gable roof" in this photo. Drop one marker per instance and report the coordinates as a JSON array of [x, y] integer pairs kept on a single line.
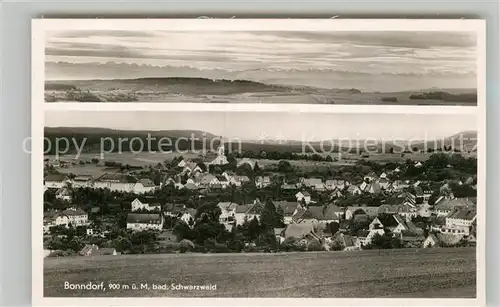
[[83, 178], [462, 214], [298, 230], [228, 206], [321, 213], [174, 208], [73, 212], [146, 182], [370, 211], [450, 204], [55, 177], [144, 218], [116, 177], [288, 207], [312, 181]]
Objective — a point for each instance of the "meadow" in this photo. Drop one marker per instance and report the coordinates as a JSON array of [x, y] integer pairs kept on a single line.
[[404, 273]]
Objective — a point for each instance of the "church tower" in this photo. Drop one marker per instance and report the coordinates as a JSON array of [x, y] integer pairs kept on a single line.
[[221, 150]]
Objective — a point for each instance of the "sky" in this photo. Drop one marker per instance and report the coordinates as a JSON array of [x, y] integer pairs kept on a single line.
[[371, 61], [275, 126]]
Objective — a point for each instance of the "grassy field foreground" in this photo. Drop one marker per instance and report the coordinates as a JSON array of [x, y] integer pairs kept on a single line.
[[386, 273]]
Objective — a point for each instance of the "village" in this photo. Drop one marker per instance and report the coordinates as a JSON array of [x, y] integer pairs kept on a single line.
[[224, 205]]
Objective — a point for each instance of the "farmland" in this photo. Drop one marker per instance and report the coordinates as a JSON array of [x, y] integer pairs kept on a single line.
[[373, 273]]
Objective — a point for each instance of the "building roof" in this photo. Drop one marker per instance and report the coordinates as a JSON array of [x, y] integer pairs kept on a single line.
[[221, 178], [263, 179], [73, 212], [89, 248], [388, 209], [450, 204], [288, 207], [388, 220], [298, 214], [190, 211], [116, 177], [144, 218], [83, 178], [228, 206], [312, 181], [242, 178], [174, 208], [55, 177], [322, 213], [462, 214], [242, 208], [191, 186], [298, 230], [278, 231], [146, 182], [370, 211]]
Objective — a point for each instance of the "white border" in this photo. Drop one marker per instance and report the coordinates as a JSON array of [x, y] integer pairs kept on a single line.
[[39, 27]]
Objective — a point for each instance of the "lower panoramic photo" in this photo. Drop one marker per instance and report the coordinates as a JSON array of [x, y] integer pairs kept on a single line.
[[259, 204]]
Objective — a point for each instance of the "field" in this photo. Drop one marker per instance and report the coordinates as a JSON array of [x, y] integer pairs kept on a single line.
[[144, 158], [194, 90], [410, 273]]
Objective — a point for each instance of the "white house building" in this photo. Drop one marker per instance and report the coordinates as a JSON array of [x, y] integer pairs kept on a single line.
[[144, 221], [137, 205]]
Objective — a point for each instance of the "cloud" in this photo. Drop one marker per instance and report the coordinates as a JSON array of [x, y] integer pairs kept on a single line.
[[407, 39], [102, 33]]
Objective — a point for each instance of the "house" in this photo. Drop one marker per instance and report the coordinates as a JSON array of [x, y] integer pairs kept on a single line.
[[370, 177], [288, 208], [215, 182], [407, 210], [383, 176], [313, 183], [384, 183], [365, 236], [336, 184], [83, 181], [459, 221], [137, 205], [89, 250], [431, 241], [144, 221], [279, 234], [398, 185], [181, 163], [424, 210], [445, 206], [336, 193], [55, 181], [64, 193], [228, 212], [410, 239], [262, 181], [300, 231], [303, 197], [168, 181], [319, 214], [222, 180], [174, 210], [115, 182], [73, 216], [188, 215], [144, 185], [239, 180], [221, 158], [393, 222], [247, 212], [418, 164], [351, 211], [372, 187], [204, 180], [289, 186], [191, 186], [347, 242], [354, 190], [388, 209]]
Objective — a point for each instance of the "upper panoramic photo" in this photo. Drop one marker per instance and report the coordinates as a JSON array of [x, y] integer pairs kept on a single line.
[[291, 65]]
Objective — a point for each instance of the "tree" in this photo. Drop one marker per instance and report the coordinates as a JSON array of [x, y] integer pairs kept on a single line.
[[269, 218]]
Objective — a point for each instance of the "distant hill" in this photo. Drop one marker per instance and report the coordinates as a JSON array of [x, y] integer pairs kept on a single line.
[[93, 138]]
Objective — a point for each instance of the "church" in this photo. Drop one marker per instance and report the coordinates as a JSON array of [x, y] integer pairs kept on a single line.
[[221, 155]]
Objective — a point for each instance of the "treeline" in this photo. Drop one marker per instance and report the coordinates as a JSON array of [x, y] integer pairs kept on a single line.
[[445, 96]]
